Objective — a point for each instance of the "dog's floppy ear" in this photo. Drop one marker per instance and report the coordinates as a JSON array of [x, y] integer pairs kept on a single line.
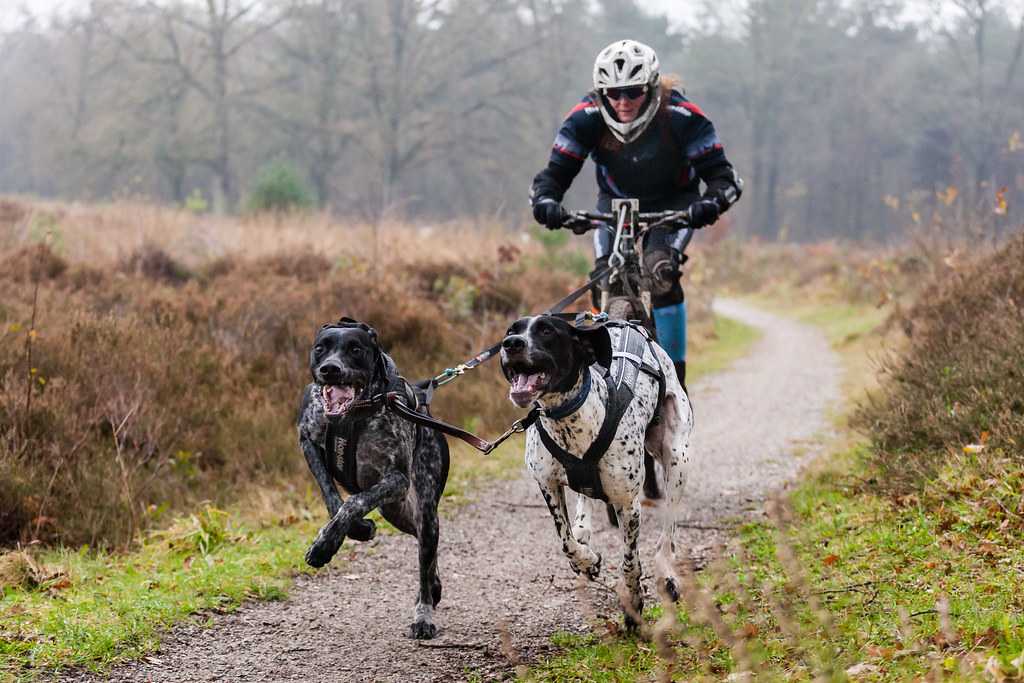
[[597, 342]]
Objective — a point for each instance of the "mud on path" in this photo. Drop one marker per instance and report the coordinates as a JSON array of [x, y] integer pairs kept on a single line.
[[500, 561]]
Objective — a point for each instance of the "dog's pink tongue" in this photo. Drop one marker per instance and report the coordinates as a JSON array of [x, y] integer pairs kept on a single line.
[[337, 397], [525, 384]]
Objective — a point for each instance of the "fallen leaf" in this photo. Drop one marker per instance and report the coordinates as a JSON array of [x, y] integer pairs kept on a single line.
[[863, 669], [830, 560]]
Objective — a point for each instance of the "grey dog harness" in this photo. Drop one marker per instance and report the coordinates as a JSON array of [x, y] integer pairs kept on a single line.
[[629, 359]]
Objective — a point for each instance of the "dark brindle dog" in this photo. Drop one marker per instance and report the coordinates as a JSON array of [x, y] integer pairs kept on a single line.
[[382, 460]]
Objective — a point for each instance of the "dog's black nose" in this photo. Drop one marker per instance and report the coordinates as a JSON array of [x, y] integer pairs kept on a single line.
[[330, 369], [514, 343]]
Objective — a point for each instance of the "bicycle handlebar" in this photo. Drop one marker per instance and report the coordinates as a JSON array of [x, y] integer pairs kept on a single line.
[[584, 221]]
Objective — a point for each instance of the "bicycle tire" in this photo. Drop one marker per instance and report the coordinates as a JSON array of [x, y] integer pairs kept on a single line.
[[625, 308]]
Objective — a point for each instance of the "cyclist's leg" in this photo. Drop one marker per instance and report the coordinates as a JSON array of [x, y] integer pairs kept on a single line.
[[668, 300]]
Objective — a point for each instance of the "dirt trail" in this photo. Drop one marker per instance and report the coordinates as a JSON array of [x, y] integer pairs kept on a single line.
[[500, 561]]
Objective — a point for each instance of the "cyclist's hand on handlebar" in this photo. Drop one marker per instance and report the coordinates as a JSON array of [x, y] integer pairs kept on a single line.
[[703, 212], [549, 213]]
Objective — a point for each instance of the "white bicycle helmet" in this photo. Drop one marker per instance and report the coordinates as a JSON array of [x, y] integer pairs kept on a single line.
[[624, 64]]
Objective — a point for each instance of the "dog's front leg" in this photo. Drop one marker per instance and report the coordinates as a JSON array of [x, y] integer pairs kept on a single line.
[[629, 523], [361, 529], [317, 461], [582, 559], [581, 525], [390, 488]]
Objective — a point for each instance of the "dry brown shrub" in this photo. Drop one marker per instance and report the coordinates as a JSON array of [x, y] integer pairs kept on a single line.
[[960, 379], [152, 262], [148, 390], [17, 570], [12, 212], [32, 263]]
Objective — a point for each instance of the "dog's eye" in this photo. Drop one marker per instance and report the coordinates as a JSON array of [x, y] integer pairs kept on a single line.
[[355, 350], [546, 331], [318, 349]]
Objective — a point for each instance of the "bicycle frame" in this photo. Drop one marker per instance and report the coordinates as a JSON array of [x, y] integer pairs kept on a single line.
[[629, 282], [629, 276]]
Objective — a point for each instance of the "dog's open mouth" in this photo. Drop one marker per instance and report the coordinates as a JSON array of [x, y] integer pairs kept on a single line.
[[338, 398], [527, 387]]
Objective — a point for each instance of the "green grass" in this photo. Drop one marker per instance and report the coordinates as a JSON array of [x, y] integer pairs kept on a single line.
[[732, 340], [877, 567], [102, 608]]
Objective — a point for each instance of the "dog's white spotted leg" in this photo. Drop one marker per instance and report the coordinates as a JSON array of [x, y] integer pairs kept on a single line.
[[629, 523], [582, 559], [673, 450], [581, 526]]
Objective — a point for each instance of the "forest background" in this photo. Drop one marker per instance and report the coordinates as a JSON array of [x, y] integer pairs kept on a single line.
[[851, 118]]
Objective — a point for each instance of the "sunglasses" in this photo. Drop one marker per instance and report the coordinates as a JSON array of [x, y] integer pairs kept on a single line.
[[634, 93]]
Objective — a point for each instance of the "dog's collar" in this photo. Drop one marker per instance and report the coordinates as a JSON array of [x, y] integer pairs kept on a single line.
[[573, 404]]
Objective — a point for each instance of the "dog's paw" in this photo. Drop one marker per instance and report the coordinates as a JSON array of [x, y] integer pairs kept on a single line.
[[422, 630], [595, 569], [631, 624], [321, 552], [590, 569], [362, 530], [671, 589]]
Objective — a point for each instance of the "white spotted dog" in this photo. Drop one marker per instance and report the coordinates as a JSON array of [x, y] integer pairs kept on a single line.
[[606, 393]]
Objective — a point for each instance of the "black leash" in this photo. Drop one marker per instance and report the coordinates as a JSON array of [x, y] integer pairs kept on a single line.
[[451, 374], [392, 400]]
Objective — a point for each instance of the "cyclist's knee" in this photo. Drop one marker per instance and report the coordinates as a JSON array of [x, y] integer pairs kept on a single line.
[[672, 295]]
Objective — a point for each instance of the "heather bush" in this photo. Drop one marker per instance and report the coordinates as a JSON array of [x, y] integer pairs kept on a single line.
[[153, 389], [168, 350], [959, 380]]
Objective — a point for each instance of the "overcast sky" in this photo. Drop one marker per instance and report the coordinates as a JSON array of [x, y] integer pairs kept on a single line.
[[9, 9], [676, 10]]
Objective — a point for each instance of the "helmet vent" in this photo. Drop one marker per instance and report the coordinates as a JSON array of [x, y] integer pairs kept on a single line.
[[620, 64], [636, 70]]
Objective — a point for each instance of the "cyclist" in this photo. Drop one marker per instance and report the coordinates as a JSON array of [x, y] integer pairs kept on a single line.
[[647, 142]]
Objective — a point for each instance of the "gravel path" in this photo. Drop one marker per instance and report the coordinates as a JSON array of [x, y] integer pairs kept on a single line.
[[502, 567]]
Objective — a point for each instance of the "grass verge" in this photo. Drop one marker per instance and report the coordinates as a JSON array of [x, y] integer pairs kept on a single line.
[[849, 587], [731, 340]]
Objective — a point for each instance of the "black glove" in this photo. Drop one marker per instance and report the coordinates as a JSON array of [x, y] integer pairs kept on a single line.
[[549, 213], [704, 212]]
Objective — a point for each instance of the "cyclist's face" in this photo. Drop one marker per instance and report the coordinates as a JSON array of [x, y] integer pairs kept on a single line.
[[626, 109]]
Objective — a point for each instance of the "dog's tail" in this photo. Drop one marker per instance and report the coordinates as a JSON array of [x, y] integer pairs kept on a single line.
[[651, 487]]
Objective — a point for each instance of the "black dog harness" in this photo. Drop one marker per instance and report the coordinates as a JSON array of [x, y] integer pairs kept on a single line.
[[343, 435], [628, 360]]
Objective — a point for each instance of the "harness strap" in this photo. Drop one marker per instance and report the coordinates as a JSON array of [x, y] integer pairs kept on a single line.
[[581, 471], [574, 403]]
